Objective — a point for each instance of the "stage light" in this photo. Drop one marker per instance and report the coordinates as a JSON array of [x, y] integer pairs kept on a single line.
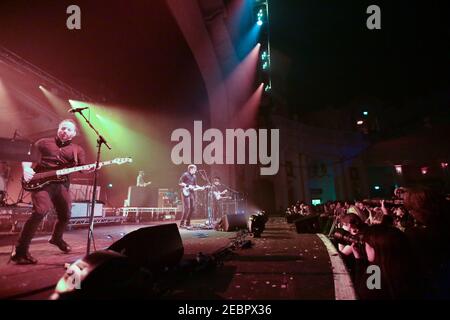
[[260, 16], [377, 187], [103, 274], [365, 113], [257, 223], [360, 122], [444, 165], [41, 87], [110, 185], [424, 170], [264, 56], [398, 168]]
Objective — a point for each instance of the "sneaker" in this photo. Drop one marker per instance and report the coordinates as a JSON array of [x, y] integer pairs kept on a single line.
[[23, 258], [61, 244]]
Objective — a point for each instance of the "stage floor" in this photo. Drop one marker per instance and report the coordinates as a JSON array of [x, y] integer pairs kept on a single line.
[[282, 264]]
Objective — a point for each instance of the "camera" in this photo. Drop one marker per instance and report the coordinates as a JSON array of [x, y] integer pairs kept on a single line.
[[346, 238], [394, 202]]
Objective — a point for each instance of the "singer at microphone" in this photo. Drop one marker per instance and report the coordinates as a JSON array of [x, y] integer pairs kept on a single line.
[[74, 110]]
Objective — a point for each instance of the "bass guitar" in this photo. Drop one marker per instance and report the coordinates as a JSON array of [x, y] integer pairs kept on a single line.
[[220, 195], [41, 179]]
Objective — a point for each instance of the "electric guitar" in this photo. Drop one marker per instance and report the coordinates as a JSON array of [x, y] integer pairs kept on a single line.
[[219, 195], [145, 184], [41, 179], [188, 188]]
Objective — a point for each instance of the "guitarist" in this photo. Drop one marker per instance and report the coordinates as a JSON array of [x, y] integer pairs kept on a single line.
[[140, 181], [188, 180], [55, 153], [219, 191]]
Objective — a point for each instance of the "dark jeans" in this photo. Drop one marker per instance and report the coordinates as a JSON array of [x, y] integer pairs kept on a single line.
[[188, 209], [217, 214], [55, 196]]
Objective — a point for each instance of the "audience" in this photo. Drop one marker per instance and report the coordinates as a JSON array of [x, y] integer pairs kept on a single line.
[[408, 238], [389, 249], [430, 239]]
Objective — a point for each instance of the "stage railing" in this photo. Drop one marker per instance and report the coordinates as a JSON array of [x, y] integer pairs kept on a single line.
[[151, 212]]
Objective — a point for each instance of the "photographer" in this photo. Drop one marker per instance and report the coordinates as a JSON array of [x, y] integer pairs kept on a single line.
[[430, 239], [352, 225], [389, 249]]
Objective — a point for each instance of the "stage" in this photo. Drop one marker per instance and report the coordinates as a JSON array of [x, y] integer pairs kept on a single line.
[[282, 265]]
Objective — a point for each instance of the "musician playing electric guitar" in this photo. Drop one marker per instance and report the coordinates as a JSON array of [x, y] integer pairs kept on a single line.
[[188, 181], [56, 152], [140, 182], [219, 192]]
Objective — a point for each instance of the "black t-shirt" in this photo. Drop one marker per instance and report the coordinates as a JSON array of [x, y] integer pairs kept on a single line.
[[189, 179], [218, 188], [56, 154]]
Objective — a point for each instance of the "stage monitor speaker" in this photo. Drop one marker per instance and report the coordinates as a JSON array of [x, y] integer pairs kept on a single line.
[[83, 192], [154, 247], [166, 198], [142, 197], [308, 224], [233, 222], [105, 275], [292, 217]]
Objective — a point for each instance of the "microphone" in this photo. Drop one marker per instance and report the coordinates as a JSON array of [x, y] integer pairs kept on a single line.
[[73, 110]]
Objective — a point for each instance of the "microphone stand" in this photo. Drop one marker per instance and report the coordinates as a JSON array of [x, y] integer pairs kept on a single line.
[[100, 141], [209, 197], [236, 193]]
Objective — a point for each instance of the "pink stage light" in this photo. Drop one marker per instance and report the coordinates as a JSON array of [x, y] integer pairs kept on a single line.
[[247, 116]]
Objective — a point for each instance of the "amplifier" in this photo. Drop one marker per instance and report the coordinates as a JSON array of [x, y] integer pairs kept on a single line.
[[83, 192], [83, 210], [142, 197], [166, 198]]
